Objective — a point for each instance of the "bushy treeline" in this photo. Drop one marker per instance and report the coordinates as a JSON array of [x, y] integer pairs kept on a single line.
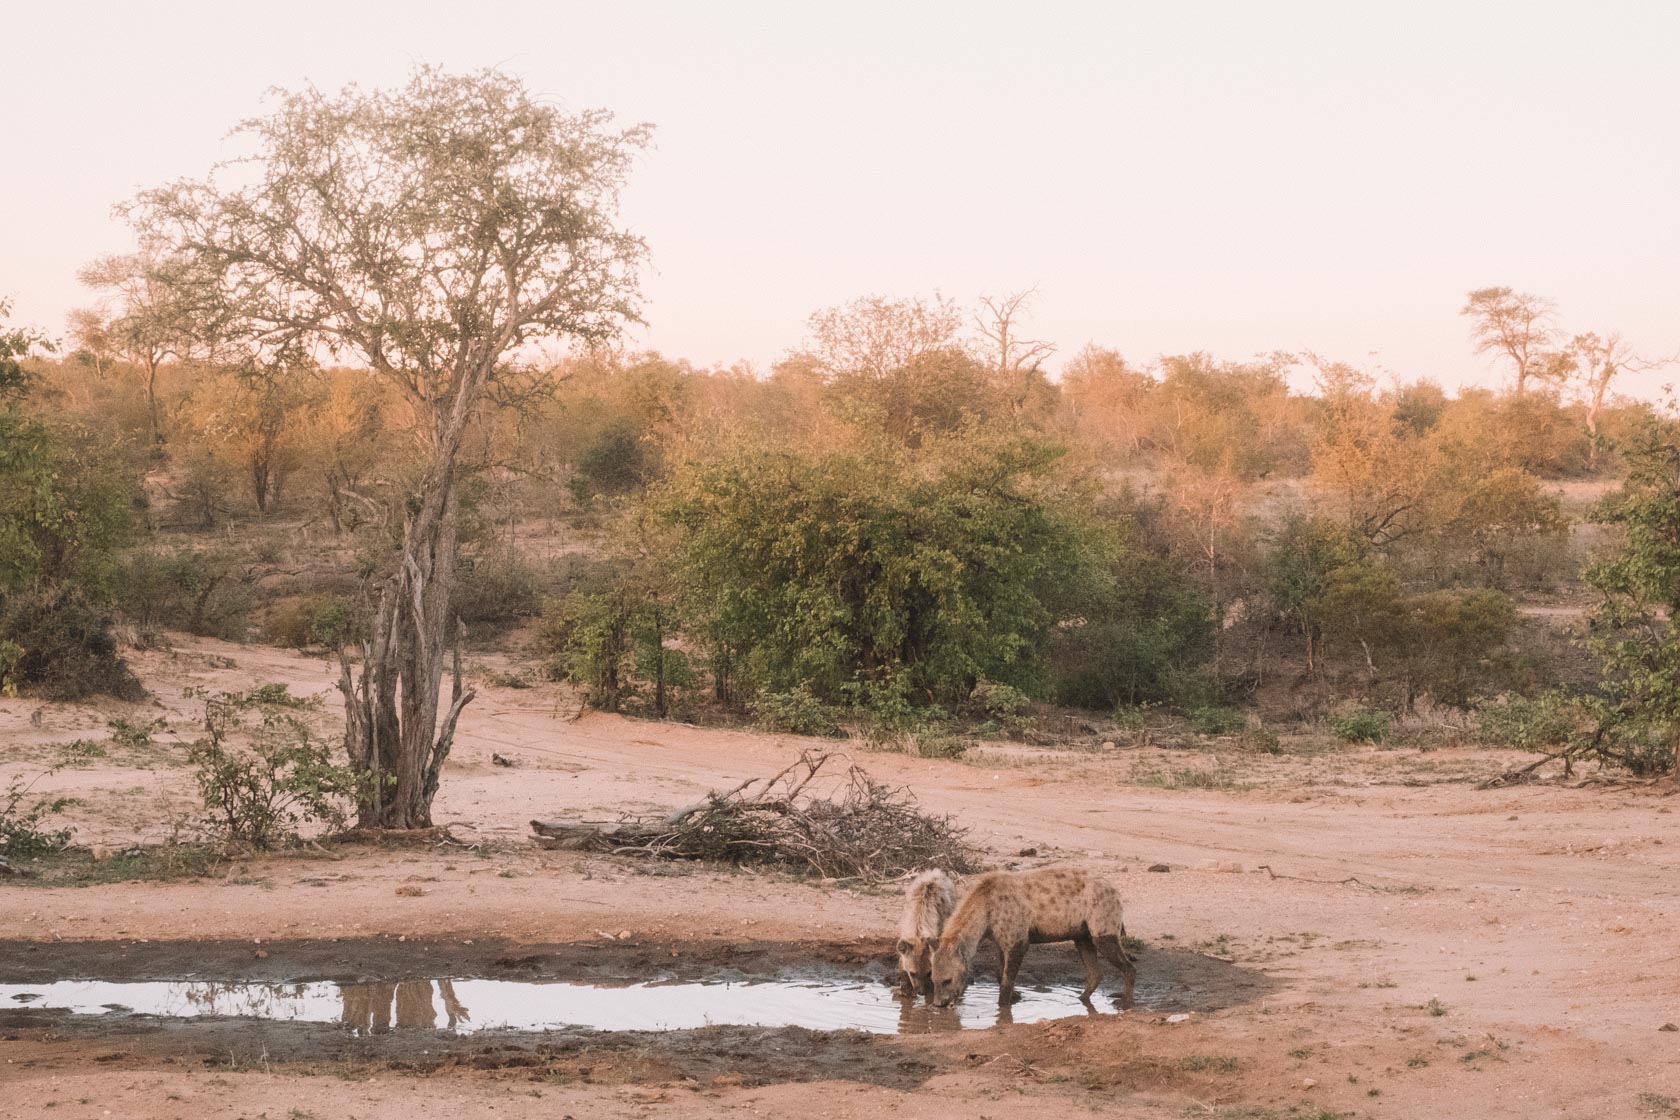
[[907, 516]]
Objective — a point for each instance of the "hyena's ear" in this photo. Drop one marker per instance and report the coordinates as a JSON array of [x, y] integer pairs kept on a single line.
[[905, 947]]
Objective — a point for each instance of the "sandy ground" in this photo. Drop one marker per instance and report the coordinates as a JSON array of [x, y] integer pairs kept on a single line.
[[1360, 886]]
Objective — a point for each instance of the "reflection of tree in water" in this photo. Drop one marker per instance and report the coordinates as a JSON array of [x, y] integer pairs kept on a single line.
[[264, 1001], [406, 1004]]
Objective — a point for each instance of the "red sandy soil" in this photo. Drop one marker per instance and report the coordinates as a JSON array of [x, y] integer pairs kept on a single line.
[[1537, 917]]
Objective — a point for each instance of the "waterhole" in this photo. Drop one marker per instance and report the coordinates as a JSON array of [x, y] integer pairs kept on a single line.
[[469, 1005]]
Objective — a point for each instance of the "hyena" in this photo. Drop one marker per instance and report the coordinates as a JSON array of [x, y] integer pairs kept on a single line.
[[1032, 907], [928, 902]]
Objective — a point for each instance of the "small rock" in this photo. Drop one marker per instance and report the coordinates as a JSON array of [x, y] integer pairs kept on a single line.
[[1159, 867], [1668, 1027], [1108, 744], [1181, 1017], [500, 761], [625, 935], [1308, 1082], [1027, 852]]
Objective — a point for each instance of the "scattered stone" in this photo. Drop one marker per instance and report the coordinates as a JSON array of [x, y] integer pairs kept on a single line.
[[1668, 1027], [1108, 744], [500, 761], [1159, 867], [1180, 1017], [1027, 852], [625, 935], [410, 892], [1308, 1082]]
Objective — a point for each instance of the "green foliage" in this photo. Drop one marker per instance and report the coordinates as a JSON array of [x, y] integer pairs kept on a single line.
[[616, 463], [316, 621], [22, 820], [586, 639], [796, 712], [1360, 725], [281, 779], [496, 591], [1539, 723], [64, 512], [204, 592], [1215, 720], [56, 643], [877, 576], [1633, 631]]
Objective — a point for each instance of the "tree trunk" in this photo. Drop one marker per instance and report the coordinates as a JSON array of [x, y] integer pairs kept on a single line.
[[152, 402], [392, 726]]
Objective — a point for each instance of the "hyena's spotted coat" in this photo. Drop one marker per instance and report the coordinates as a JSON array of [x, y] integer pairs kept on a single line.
[[1032, 907]]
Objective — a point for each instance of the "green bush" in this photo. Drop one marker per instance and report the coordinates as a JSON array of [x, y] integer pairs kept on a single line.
[[56, 643], [206, 593], [1215, 720], [1360, 726], [496, 591], [282, 779], [878, 571], [796, 712], [1529, 723], [22, 816], [316, 621]]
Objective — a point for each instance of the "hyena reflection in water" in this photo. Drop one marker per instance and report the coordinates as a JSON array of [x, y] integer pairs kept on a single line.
[[368, 1008]]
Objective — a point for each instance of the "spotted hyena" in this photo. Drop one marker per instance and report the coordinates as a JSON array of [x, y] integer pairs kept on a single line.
[[1030, 907], [928, 902]]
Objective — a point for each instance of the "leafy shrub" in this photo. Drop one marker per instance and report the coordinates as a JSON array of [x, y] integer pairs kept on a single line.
[[999, 701], [496, 591], [796, 712], [56, 643], [1215, 720], [585, 639], [281, 780], [1260, 740], [1361, 725], [21, 820], [203, 593], [316, 621], [615, 463], [1530, 724]]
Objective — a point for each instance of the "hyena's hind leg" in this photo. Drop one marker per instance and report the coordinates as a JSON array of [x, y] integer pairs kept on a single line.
[[1109, 946], [1093, 966]]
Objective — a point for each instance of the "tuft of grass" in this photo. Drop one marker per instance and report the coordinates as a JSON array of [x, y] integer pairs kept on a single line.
[[1435, 1007], [1209, 1063]]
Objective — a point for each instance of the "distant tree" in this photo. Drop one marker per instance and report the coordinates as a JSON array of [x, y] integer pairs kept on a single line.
[[90, 330], [1518, 327], [433, 234], [1597, 361], [164, 313], [1107, 400], [1017, 362], [874, 337]]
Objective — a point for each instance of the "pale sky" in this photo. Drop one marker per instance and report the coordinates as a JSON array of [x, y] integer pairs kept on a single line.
[[1234, 177]]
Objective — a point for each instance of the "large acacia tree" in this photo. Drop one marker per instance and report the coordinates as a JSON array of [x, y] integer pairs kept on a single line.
[[432, 233]]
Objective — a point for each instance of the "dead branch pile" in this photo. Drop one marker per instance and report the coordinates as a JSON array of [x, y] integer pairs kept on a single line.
[[862, 830]]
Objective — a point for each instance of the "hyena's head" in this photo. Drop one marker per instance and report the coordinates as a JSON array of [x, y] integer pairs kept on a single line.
[[950, 974], [915, 963]]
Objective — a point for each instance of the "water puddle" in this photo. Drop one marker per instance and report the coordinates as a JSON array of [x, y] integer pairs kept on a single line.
[[468, 1005]]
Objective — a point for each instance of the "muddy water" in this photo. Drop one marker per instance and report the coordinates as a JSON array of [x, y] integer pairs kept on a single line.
[[467, 1005]]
